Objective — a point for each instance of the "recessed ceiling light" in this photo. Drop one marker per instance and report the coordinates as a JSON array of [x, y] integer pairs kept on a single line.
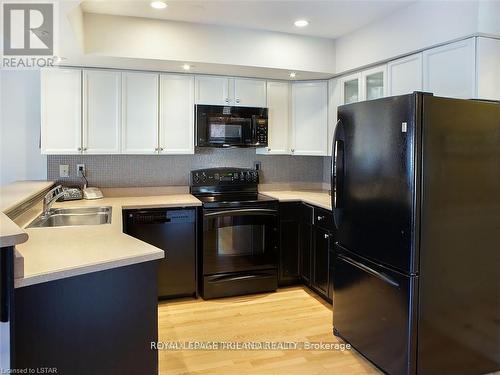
[[301, 23], [186, 67], [158, 4], [293, 75]]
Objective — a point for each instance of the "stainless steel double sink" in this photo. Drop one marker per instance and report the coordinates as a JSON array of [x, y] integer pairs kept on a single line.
[[70, 217]]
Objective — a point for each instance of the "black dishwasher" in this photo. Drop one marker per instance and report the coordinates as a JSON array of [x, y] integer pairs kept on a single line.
[[174, 231]]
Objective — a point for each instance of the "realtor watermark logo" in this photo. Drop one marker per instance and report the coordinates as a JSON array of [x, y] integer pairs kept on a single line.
[[28, 34]]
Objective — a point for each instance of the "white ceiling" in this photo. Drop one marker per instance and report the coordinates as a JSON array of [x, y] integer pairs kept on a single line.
[[329, 19]]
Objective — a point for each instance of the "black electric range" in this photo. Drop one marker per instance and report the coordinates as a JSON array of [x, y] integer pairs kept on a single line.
[[238, 241]]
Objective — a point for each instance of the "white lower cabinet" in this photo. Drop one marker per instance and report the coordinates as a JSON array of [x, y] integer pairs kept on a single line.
[[278, 104], [101, 112], [450, 70], [61, 98], [176, 114], [404, 75], [310, 118], [139, 113]]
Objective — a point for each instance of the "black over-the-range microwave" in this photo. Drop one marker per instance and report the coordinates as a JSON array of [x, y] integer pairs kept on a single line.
[[225, 126]]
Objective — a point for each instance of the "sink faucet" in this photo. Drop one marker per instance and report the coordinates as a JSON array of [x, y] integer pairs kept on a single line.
[[50, 198]]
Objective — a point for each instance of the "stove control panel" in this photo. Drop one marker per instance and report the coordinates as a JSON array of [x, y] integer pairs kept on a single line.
[[224, 176]]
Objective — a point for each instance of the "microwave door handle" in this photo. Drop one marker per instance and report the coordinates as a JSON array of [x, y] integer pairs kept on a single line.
[[249, 211]]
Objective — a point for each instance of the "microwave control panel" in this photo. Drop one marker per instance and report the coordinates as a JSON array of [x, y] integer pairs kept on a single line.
[[262, 131]]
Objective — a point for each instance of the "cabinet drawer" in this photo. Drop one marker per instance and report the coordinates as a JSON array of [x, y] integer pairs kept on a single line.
[[323, 218]]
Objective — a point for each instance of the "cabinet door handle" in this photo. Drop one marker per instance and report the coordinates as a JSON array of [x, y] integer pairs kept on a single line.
[[321, 218], [268, 150], [292, 150], [79, 149], [227, 100], [237, 100], [327, 236], [85, 149]]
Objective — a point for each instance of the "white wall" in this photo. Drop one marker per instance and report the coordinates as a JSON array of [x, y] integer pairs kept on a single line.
[[20, 157], [131, 37], [420, 25], [489, 17]]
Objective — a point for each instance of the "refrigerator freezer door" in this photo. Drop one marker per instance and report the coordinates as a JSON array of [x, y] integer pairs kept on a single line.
[[374, 311], [375, 201]]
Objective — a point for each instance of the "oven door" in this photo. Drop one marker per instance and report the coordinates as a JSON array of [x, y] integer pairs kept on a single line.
[[236, 240]]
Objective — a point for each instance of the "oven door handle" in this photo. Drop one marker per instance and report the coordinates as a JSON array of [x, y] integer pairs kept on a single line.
[[247, 211]]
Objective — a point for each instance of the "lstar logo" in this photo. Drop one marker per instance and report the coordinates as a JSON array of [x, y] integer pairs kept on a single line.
[[28, 29]]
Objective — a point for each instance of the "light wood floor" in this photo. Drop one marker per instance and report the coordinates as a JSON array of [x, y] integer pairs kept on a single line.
[[291, 314]]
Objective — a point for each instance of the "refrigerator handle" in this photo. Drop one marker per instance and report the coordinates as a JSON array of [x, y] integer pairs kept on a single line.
[[337, 173]]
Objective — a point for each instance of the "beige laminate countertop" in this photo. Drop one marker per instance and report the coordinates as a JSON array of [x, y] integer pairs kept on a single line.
[[60, 252], [18, 192], [316, 198], [10, 233], [12, 196]]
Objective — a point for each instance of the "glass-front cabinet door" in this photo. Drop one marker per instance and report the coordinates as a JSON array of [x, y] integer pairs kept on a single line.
[[350, 88], [374, 82]]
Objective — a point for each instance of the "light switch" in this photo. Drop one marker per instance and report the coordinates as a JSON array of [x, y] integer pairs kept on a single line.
[[63, 170]]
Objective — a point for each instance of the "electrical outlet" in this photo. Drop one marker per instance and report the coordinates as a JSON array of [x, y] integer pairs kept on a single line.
[[80, 170], [63, 170]]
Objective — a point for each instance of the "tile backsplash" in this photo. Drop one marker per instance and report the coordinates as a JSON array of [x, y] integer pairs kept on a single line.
[[173, 170]]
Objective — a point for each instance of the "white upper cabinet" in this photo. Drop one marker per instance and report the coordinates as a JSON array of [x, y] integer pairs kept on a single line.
[[61, 111], [333, 103], [374, 83], [278, 103], [101, 112], [139, 113], [212, 90], [243, 92], [249, 92], [488, 68], [450, 70], [365, 85], [176, 114], [404, 75], [350, 88], [310, 118]]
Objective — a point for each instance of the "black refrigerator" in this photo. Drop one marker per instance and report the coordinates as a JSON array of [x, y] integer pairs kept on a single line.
[[416, 206]]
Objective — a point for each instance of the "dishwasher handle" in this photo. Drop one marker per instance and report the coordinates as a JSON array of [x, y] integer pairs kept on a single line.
[[147, 218], [144, 217]]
